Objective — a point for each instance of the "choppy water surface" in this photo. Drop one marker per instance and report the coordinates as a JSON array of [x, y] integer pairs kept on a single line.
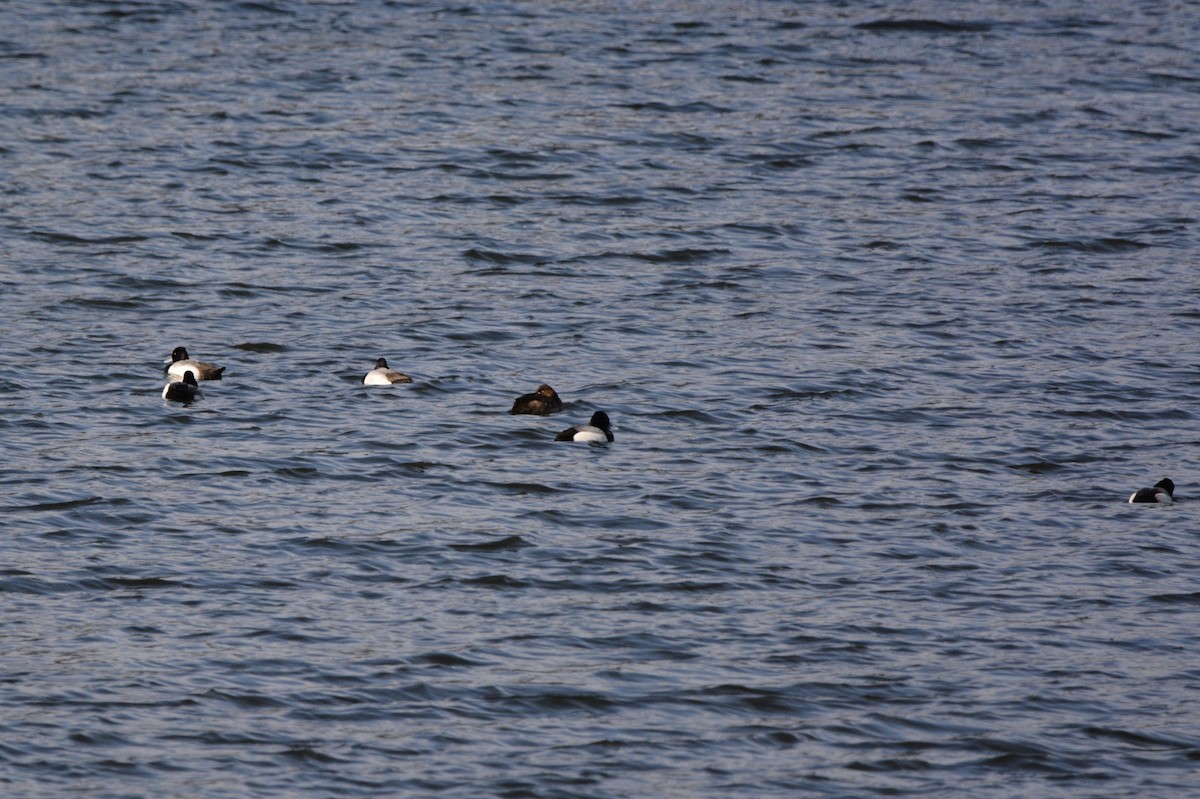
[[892, 305]]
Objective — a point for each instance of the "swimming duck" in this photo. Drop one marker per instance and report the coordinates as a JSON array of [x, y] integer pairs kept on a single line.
[[185, 390], [542, 402], [597, 430], [381, 375], [1163, 491], [180, 363]]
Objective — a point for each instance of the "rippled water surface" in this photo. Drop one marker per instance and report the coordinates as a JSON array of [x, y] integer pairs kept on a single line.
[[891, 304]]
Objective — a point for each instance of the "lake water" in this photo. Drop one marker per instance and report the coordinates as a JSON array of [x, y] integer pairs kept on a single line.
[[892, 305]]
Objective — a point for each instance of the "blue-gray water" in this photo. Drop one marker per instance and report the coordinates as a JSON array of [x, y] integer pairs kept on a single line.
[[892, 305]]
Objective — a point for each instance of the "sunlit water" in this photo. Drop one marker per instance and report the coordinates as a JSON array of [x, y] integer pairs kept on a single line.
[[892, 306]]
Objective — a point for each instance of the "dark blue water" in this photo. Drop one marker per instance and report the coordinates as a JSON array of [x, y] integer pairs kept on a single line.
[[892, 306]]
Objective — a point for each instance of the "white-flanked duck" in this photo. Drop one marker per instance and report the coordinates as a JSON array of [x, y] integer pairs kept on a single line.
[[381, 375], [181, 363], [598, 430], [1163, 492]]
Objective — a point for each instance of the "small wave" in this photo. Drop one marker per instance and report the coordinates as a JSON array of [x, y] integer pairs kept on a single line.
[[680, 256], [924, 26], [188, 236], [16, 581], [1093, 245], [60, 505], [298, 472], [821, 500], [495, 581], [523, 700], [1177, 599], [681, 108], [522, 487], [260, 346], [507, 543], [68, 238], [1037, 467], [497, 257], [691, 415], [446, 660], [307, 754], [1138, 739], [741, 77], [252, 701], [135, 582], [103, 303]]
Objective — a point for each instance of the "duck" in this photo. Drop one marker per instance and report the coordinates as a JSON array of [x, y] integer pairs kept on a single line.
[[181, 363], [542, 402], [185, 390], [1162, 492], [381, 375], [597, 430]]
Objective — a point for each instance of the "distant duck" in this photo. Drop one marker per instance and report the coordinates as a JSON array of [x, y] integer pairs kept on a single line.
[[185, 390], [1163, 491], [381, 375], [598, 430], [542, 402], [181, 363]]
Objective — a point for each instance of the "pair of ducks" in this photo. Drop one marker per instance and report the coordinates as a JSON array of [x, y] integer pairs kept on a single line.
[[183, 371], [545, 401]]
